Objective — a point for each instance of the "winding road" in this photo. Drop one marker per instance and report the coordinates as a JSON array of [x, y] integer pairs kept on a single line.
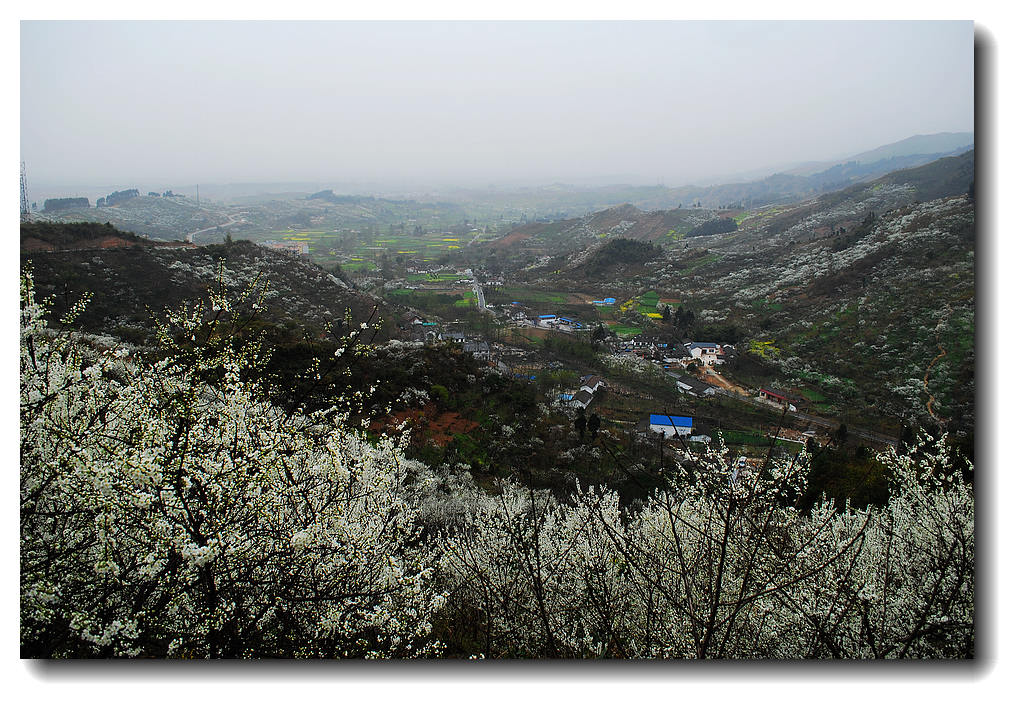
[[232, 220]]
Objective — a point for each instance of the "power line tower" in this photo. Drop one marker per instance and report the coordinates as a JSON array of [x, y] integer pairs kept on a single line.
[[24, 193]]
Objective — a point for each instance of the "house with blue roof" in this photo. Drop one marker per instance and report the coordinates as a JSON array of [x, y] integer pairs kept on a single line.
[[671, 425]]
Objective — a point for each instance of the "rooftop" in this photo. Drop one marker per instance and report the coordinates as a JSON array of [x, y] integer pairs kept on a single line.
[[584, 397], [678, 421], [777, 393]]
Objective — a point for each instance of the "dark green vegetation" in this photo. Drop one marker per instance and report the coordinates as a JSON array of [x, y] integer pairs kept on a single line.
[[63, 203], [115, 198], [619, 252], [952, 175], [714, 226]]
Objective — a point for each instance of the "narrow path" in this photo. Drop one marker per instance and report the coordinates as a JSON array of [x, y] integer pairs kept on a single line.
[[722, 382]]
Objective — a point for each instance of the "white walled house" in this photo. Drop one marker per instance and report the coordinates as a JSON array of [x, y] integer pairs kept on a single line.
[[592, 384], [776, 398], [707, 352], [581, 399], [695, 387], [671, 425]]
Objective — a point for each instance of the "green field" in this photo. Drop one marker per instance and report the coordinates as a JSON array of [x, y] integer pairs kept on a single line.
[[813, 396], [649, 299], [625, 330], [334, 246], [359, 266], [432, 277], [526, 295], [468, 300]]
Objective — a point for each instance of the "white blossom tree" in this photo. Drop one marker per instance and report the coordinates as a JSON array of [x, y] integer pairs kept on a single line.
[[168, 510], [723, 565]]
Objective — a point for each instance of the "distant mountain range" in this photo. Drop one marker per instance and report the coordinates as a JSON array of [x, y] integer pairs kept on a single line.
[[810, 179], [952, 143]]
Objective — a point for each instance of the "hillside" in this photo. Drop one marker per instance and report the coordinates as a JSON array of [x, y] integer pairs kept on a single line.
[[42, 236], [862, 299], [132, 284], [919, 145], [455, 408]]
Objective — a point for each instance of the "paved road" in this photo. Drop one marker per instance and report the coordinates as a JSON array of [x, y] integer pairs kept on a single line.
[[481, 304], [232, 219]]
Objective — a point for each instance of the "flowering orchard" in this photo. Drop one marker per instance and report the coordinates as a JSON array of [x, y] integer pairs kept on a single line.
[[717, 566], [169, 510]]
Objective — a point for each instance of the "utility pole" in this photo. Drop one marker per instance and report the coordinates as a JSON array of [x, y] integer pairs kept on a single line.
[[25, 211]]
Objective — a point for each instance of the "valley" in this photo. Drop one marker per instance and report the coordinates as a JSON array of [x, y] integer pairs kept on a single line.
[[554, 338], [853, 310]]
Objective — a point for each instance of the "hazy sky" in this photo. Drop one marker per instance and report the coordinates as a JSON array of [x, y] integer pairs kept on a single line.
[[151, 103]]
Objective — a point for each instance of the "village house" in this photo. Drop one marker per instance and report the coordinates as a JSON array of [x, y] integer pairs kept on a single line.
[[646, 346], [676, 354], [776, 398], [592, 383], [478, 348], [587, 391], [581, 399], [670, 426], [707, 352], [695, 387], [652, 341]]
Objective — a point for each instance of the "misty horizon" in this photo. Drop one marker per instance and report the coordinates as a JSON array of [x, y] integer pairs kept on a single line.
[[407, 106]]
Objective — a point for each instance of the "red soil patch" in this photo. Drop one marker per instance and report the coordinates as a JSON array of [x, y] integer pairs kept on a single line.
[[427, 424], [510, 239], [109, 242], [36, 245]]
